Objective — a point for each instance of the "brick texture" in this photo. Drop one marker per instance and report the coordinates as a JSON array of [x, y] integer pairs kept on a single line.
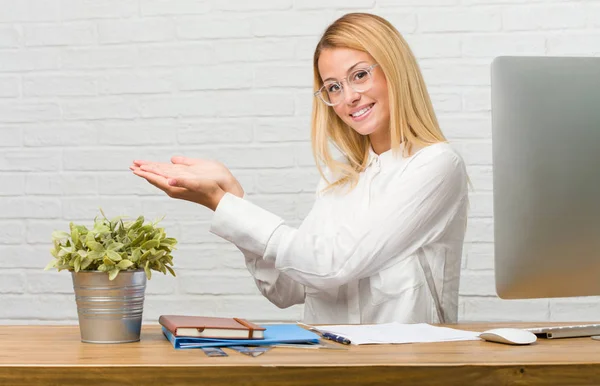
[[88, 86]]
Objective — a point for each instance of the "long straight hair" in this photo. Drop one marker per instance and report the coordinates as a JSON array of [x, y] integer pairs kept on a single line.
[[412, 118]]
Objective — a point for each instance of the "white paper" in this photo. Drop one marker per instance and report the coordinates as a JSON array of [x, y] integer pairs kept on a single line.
[[398, 333]]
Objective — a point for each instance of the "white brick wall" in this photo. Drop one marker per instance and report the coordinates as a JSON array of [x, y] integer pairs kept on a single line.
[[86, 87]]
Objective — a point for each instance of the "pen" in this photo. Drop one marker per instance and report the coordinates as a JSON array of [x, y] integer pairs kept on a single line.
[[327, 335], [335, 338]]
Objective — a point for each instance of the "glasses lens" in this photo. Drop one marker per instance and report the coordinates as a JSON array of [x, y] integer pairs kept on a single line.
[[361, 80], [332, 93]]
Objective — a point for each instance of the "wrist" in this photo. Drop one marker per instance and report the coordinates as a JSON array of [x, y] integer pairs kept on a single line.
[[216, 198], [235, 188]]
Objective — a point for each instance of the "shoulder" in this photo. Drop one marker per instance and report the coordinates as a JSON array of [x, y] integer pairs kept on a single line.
[[440, 157], [437, 166]]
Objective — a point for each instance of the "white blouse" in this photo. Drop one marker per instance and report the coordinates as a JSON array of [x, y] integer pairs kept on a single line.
[[389, 250]]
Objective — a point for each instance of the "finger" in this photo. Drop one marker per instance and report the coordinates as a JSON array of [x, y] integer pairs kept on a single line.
[[134, 168], [185, 183], [165, 170], [160, 183], [184, 160], [151, 168], [139, 162]]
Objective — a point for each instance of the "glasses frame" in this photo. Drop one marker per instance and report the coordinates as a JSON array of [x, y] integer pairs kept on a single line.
[[319, 92]]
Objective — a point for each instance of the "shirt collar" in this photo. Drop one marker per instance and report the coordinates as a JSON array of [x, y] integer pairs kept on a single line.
[[384, 159]]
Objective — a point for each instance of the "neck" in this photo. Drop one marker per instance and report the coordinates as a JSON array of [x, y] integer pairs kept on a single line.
[[380, 142]]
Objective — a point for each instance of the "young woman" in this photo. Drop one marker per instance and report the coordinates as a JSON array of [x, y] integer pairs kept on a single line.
[[383, 241]]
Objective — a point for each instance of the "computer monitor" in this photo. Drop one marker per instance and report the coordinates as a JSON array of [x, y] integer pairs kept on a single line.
[[546, 172]]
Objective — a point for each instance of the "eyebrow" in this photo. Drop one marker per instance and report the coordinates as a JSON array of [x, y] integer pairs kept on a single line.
[[350, 69]]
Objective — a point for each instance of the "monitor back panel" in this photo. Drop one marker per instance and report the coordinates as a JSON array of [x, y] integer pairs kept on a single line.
[[546, 163]]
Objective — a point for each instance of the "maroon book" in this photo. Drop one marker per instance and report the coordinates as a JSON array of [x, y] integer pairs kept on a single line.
[[211, 327]]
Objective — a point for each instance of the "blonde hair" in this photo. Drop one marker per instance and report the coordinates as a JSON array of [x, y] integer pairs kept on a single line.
[[412, 119]]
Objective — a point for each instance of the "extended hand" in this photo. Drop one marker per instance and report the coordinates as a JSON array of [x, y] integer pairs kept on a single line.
[[190, 168], [194, 180]]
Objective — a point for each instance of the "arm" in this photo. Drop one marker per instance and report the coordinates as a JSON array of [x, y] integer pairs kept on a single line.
[[205, 182], [414, 213], [274, 285]]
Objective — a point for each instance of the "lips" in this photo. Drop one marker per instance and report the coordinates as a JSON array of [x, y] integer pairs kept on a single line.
[[361, 110], [361, 113]]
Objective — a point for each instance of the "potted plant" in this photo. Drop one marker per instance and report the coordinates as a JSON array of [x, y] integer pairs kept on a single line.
[[109, 264]]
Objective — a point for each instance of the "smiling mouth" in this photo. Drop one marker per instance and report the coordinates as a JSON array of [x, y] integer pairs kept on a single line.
[[363, 111]]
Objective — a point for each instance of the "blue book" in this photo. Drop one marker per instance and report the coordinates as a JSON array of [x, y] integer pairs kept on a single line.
[[274, 334]]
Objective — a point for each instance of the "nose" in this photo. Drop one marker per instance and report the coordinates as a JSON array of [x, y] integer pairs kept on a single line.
[[350, 95]]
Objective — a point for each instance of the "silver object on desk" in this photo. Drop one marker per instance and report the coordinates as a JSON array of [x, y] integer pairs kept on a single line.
[[109, 311], [573, 331], [545, 146]]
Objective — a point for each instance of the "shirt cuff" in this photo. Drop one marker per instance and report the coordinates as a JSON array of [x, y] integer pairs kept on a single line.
[[245, 224], [273, 244]]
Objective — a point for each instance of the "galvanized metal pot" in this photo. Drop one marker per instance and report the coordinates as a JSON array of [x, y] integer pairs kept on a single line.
[[109, 311]]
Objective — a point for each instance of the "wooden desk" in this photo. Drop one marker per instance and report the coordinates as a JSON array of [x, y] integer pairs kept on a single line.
[[42, 355]]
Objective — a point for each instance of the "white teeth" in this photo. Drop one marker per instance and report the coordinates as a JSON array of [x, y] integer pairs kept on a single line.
[[361, 112]]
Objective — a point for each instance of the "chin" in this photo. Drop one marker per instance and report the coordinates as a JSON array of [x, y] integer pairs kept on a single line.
[[364, 130]]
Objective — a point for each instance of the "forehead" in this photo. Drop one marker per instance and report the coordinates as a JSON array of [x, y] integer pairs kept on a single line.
[[335, 62]]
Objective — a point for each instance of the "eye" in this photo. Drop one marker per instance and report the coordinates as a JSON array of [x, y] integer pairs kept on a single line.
[[360, 75], [333, 88]]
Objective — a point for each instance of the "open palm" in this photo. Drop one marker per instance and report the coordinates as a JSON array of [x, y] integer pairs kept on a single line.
[[192, 169]]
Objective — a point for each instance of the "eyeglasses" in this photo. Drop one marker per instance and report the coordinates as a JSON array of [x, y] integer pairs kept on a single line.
[[361, 80]]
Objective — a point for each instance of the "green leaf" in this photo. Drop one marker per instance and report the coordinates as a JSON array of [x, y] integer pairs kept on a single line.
[[138, 240], [101, 228], [124, 264], [170, 270], [50, 265], [147, 270], [96, 255], [113, 273], [114, 256], [108, 262], [116, 246], [169, 241], [89, 237], [62, 266], [135, 255], [95, 246], [168, 259], [59, 235], [137, 224], [157, 255], [114, 222], [85, 262], [75, 235], [150, 244], [77, 263]]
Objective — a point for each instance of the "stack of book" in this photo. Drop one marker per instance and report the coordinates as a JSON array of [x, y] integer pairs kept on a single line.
[[199, 331]]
